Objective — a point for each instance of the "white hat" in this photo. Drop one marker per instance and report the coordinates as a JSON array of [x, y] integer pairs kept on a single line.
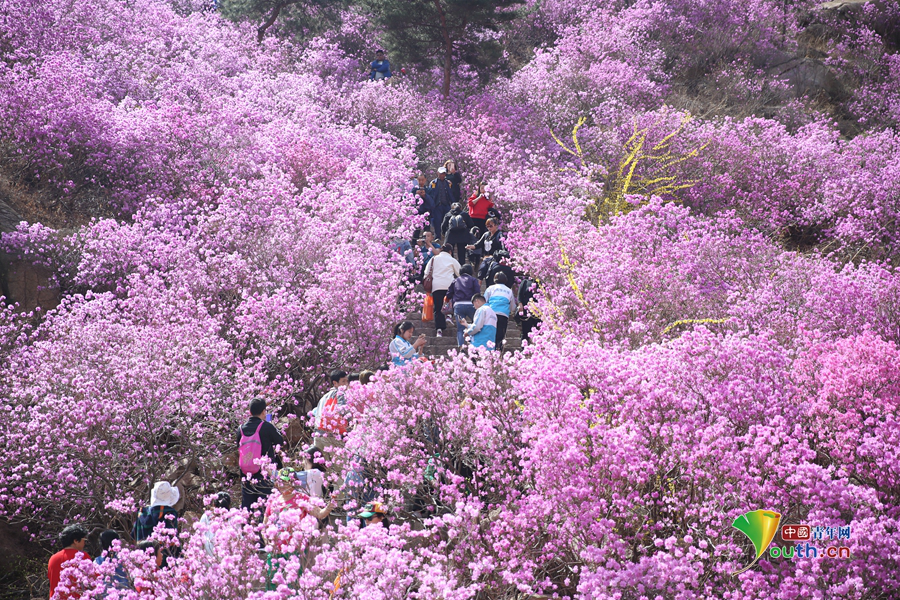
[[442, 170], [164, 494]]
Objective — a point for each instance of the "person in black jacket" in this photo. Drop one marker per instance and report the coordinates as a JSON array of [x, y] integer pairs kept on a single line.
[[525, 316], [491, 241], [455, 179], [455, 230], [499, 265], [259, 488]]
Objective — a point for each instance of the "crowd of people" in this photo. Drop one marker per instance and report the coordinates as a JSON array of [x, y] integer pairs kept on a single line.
[[461, 261], [278, 496]]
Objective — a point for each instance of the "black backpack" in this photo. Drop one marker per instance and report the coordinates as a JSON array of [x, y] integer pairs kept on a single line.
[[457, 223]]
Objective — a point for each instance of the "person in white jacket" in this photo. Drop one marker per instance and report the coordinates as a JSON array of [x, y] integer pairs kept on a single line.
[[443, 269]]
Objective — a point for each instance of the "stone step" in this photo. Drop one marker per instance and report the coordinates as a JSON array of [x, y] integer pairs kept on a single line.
[[440, 346]]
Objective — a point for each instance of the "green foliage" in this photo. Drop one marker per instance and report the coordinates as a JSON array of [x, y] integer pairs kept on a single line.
[[304, 18], [439, 32]]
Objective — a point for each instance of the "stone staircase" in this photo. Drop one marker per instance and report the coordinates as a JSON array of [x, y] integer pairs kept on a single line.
[[439, 346]]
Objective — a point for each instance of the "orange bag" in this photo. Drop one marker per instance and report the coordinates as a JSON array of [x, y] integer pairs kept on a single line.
[[428, 308]]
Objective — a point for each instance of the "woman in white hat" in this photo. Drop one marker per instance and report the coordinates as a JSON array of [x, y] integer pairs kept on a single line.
[[163, 497]]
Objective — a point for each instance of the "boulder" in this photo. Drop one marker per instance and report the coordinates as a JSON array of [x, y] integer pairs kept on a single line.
[[807, 76]]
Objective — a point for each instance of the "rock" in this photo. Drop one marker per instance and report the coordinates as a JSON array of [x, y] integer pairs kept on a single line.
[[807, 76], [842, 5]]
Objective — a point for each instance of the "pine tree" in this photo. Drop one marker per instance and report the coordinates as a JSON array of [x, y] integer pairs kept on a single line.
[[433, 32]]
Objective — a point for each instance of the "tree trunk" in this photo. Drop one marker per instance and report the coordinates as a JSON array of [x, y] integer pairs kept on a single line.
[[448, 49], [273, 16]]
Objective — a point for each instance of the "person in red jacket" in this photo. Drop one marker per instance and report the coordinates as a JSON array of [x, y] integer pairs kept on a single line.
[[73, 538], [479, 205]]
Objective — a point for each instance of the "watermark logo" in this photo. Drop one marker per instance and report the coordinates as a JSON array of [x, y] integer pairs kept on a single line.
[[760, 526], [804, 533]]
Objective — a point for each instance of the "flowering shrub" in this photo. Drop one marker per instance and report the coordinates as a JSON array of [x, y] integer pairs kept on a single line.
[[240, 204]]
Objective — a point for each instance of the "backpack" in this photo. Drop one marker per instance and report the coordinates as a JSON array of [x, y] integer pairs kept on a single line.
[[249, 451], [148, 518], [457, 223]]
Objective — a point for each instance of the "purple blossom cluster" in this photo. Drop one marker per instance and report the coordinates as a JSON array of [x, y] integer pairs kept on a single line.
[[716, 348]]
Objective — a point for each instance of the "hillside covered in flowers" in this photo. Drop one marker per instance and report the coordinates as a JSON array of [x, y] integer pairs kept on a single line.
[[707, 193]]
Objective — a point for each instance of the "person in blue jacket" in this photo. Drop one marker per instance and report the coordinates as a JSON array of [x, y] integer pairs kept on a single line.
[[380, 67]]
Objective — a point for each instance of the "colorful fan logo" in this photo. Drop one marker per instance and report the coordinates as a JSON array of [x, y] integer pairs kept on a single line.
[[760, 526]]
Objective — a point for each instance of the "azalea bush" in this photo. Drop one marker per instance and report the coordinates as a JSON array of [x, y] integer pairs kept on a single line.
[[716, 284]]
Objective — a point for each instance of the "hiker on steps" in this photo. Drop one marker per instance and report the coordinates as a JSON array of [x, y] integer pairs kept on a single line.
[[443, 197], [455, 230], [503, 302], [483, 331], [460, 294], [479, 205], [443, 269], [455, 179], [256, 438], [490, 242], [403, 351], [426, 246]]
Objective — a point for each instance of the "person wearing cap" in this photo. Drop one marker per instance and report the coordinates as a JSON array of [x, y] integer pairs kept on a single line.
[[373, 514], [284, 512], [455, 229], [443, 197], [443, 269], [483, 330], [380, 67]]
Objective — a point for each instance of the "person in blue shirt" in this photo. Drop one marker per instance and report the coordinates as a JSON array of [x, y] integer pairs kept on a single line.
[[503, 301], [402, 350], [483, 331], [380, 67]]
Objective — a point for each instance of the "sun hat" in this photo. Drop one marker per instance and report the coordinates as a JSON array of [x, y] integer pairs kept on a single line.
[[372, 509], [164, 494]]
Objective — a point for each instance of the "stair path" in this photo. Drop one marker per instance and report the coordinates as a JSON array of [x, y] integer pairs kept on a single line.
[[439, 346]]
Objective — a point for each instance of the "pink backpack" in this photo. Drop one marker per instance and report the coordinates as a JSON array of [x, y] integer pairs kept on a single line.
[[249, 451]]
